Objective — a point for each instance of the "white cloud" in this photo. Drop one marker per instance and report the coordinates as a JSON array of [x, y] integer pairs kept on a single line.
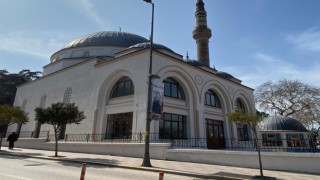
[[307, 40], [89, 11], [265, 58], [21, 42], [267, 67]]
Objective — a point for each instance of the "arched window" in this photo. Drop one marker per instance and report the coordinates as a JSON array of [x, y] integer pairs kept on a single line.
[[86, 54], [123, 87], [23, 107], [67, 96], [66, 100], [242, 128], [43, 101], [24, 104], [173, 89], [37, 128], [211, 99], [239, 105]]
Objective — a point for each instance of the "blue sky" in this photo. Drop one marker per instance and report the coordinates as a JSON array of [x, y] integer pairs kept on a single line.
[[254, 40]]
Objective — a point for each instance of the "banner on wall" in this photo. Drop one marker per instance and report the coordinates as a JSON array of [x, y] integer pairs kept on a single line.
[[157, 99]]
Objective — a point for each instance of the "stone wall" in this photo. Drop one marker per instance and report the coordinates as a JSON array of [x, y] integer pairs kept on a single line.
[[157, 150], [284, 161]]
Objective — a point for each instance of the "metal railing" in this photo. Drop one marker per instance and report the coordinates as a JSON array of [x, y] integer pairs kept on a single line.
[[284, 145], [30, 134], [125, 138]]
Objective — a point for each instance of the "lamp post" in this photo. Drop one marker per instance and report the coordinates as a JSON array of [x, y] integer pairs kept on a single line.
[[146, 158]]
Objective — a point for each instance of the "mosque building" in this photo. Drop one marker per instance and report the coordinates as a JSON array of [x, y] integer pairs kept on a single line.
[[106, 73]]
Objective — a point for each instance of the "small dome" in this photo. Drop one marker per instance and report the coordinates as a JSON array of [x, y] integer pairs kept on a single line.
[[106, 38], [195, 62], [281, 123], [224, 75], [147, 45]]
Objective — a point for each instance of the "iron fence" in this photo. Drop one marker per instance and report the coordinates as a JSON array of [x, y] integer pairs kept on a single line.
[[126, 138], [285, 145], [29, 134]]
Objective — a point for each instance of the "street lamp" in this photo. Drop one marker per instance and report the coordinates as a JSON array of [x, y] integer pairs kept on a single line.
[[146, 158]]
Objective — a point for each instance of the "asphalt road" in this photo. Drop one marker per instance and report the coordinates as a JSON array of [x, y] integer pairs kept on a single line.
[[20, 168]]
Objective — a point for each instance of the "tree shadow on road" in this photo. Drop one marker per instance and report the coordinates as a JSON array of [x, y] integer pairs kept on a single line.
[[63, 160], [16, 154], [228, 174], [91, 162]]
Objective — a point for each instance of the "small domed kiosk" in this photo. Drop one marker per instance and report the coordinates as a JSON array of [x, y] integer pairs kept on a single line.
[[282, 133]]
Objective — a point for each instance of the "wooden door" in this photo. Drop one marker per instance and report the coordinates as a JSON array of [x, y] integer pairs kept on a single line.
[[215, 134]]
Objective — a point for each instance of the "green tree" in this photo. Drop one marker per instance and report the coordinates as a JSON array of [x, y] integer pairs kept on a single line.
[[252, 119], [27, 75], [59, 115], [10, 81], [10, 115]]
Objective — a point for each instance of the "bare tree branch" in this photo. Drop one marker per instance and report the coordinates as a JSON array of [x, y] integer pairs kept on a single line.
[[290, 98]]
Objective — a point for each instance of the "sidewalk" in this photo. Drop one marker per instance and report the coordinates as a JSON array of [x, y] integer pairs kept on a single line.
[[204, 171]]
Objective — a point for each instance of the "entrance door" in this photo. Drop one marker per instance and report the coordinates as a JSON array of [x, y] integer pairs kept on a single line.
[[215, 134], [119, 126]]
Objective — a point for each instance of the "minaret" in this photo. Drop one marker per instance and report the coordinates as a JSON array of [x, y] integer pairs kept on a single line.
[[202, 34]]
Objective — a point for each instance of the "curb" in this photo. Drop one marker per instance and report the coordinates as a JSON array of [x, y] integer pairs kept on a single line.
[[151, 169]]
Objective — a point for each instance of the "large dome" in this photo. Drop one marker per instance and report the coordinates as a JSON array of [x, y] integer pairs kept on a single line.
[[106, 38], [281, 123]]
